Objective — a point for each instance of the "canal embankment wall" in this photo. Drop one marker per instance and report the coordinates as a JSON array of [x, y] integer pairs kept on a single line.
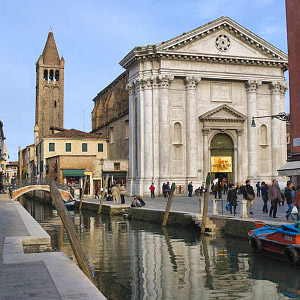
[[233, 226], [69, 281]]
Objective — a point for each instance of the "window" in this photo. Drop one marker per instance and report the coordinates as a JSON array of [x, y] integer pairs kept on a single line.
[[111, 135], [55, 104], [68, 147], [177, 133], [116, 166], [51, 75], [127, 129], [84, 147], [51, 147], [46, 75], [100, 147], [56, 75]]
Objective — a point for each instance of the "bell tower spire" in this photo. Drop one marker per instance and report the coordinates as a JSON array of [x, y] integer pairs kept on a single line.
[[49, 89]]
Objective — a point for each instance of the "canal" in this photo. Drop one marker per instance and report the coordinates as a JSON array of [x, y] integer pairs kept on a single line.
[[137, 260]]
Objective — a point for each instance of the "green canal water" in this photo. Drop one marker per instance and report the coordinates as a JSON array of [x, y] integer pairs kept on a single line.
[[138, 260]]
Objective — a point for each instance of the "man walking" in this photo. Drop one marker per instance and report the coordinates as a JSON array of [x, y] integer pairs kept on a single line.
[[248, 194], [190, 189], [264, 194], [274, 197]]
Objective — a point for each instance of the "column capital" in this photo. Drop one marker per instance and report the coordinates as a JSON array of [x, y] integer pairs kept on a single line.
[[148, 81], [165, 80], [278, 87], [205, 131], [191, 82], [139, 84], [156, 82], [252, 85], [239, 132], [130, 87]]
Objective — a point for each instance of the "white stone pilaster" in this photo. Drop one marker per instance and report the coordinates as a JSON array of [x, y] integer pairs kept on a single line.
[[140, 136], [155, 126], [239, 133], [251, 89], [205, 132], [148, 135], [164, 128], [132, 140], [191, 128], [276, 89]]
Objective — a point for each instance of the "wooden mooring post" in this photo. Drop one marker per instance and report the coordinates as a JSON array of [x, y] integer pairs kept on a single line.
[[205, 208], [70, 229], [103, 194], [81, 199], [168, 207]]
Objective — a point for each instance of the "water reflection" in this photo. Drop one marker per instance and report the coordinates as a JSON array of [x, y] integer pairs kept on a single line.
[[136, 260]]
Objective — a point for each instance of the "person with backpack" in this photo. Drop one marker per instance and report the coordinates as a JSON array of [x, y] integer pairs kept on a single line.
[[232, 198]]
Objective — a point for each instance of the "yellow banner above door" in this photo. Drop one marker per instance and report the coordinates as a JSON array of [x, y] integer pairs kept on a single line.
[[221, 164]]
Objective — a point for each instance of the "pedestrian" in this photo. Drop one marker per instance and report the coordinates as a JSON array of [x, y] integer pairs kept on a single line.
[[274, 196], [190, 189], [122, 193], [164, 188], [264, 193], [152, 190], [225, 186], [96, 192], [168, 189], [297, 201], [289, 200], [219, 189], [214, 190], [248, 194], [115, 194], [258, 188], [232, 198]]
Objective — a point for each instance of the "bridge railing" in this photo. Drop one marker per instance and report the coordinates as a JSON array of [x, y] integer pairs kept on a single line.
[[40, 181]]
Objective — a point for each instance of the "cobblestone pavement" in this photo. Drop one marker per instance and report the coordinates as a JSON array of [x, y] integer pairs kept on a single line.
[[192, 205], [25, 280]]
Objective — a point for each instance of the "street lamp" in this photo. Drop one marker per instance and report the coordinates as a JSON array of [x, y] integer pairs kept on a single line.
[[101, 164], [282, 116]]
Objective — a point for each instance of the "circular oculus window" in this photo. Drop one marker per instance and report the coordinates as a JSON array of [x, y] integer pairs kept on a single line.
[[223, 42]]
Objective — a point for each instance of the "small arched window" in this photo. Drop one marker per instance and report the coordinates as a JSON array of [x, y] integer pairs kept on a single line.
[[263, 135], [46, 75], [55, 104], [56, 75], [51, 75], [177, 133]]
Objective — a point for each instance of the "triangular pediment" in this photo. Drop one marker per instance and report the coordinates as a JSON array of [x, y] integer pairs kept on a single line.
[[223, 37], [223, 113]]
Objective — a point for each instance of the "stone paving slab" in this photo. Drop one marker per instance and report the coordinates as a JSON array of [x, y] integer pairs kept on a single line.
[[49, 275]]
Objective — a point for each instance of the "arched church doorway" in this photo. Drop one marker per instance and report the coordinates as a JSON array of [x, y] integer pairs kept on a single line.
[[221, 154]]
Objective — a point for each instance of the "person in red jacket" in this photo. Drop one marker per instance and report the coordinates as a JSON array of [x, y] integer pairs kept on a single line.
[[152, 189]]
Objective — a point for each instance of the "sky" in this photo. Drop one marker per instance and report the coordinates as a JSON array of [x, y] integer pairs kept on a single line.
[[93, 36]]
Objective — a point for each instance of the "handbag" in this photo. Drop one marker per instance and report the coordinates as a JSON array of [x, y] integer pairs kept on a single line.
[[250, 197], [295, 210], [228, 206]]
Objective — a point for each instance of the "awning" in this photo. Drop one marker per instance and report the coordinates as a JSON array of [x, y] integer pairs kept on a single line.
[[73, 172], [289, 169]]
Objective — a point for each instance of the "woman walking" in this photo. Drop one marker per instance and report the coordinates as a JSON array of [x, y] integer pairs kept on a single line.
[[289, 200], [232, 198], [248, 194]]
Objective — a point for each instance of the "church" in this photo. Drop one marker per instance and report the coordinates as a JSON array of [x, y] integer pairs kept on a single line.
[[191, 101]]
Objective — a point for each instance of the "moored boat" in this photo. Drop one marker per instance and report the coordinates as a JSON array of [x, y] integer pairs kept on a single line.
[[279, 241]]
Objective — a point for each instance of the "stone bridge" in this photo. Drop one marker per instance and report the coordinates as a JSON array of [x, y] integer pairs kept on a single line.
[[30, 185]]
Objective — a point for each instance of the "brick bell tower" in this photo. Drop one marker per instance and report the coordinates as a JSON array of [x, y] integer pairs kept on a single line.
[[49, 90]]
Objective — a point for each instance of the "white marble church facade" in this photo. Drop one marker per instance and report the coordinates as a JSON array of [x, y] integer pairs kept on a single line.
[[186, 91]]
